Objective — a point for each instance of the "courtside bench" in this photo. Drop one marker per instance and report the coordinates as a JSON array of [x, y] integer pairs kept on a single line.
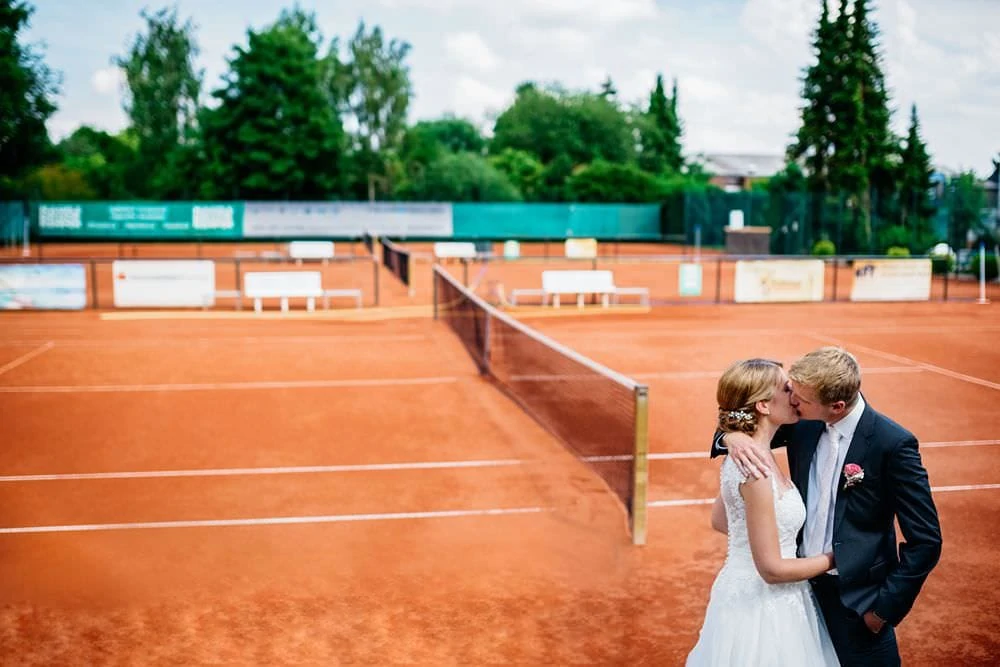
[[580, 283], [285, 285]]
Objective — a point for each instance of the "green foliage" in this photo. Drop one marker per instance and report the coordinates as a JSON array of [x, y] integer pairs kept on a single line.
[[108, 163], [459, 177], [553, 187], [523, 170], [371, 89], [824, 247], [897, 235], [660, 132], [897, 251], [162, 94], [967, 198], [58, 181], [273, 135], [915, 179], [549, 123], [990, 268], [613, 183], [27, 87]]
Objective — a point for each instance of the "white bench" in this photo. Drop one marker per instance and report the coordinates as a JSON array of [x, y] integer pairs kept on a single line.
[[285, 285], [557, 283], [319, 250]]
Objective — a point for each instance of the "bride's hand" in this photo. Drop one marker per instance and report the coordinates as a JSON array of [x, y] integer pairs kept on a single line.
[[833, 562], [749, 460]]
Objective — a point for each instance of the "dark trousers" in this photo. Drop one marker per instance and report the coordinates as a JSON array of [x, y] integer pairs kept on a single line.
[[856, 645]]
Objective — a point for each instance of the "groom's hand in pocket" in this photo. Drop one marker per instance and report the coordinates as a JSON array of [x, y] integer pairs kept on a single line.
[[874, 623]]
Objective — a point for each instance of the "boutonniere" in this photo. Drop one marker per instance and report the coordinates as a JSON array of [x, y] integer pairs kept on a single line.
[[853, 473]]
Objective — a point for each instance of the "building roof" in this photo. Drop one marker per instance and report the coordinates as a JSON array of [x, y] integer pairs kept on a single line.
[[743, 165]]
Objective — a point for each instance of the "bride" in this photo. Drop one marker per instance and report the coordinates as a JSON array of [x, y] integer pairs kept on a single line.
[[761, 610]]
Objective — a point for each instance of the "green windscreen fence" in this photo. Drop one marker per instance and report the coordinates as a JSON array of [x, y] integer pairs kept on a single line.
[[122, 220], [557, 221]]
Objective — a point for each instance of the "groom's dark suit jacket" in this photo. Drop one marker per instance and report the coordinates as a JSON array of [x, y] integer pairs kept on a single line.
[[895, 486]]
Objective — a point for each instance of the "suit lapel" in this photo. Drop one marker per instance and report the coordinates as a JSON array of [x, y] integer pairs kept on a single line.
[[855, 454]]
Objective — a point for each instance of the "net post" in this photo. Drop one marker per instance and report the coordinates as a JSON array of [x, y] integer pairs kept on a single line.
[[640, 465], [434, 288]]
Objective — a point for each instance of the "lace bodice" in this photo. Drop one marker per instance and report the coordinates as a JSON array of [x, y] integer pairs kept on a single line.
[[789, 511]]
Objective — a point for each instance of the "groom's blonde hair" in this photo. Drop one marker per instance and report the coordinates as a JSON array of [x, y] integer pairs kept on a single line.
[[832, 372]]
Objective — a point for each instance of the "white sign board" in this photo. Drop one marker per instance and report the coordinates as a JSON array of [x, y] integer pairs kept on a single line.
[[311, 249], [736, 219], [581, 248], [455, 249], [892, 280], [346, 219], [511, 249], [163, 283], [779, 280]]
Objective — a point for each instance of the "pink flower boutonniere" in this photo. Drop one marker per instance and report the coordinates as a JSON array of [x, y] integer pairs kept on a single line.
[[854, 474]]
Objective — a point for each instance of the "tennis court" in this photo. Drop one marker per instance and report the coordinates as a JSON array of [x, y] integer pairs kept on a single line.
[[276, 491]]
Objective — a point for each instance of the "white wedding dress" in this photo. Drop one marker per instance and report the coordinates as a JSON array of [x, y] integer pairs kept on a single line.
[[749, 621]]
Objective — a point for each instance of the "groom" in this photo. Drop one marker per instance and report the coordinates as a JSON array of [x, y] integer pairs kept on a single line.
[[857, 472]]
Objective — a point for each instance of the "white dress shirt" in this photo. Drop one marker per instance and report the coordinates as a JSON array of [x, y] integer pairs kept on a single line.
[[846, 427]]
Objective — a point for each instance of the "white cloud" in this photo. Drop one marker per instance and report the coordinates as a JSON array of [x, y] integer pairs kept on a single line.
[[556, 41], [472, 97], [469, 49], [108, 81]]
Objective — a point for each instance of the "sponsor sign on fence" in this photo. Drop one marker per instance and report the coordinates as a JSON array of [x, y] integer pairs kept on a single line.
[[311, 249], [891, 280], [164, 283], [133, 220], [581, 248], [779, 280], [43, 287], [346, 219], [689, 279]]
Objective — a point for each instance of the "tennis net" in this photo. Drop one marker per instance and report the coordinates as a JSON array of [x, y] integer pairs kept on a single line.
[[600, 415], [398, 260]]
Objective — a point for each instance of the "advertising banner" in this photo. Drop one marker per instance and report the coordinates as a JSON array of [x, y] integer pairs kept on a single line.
[[140, 220], [779, 280], [43, 287], [346, 219], [891, 280], [689, 279], [164, 283], [581, 248]]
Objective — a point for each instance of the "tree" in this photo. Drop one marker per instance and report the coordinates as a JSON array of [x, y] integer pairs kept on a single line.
[[372, 90], [26, 101], [915, 182], [273, 136], [523, 170], [660, 132], [967, 199], [614, 183], [459, 177], [608, 90], [163, 91], [105, 161], [552, 122]]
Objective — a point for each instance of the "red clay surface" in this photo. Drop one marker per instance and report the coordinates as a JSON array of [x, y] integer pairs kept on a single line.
[[202, 398]]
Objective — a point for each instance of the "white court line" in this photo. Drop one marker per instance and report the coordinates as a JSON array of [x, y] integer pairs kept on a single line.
[[672, 375], [907, 360], [730, 333], [26, 357], [228, 340], [226, 386], [382, 467], [293, 470], [272, 521], [350, 518]]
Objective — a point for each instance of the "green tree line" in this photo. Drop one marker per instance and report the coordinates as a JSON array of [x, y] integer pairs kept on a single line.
[[300, 116]]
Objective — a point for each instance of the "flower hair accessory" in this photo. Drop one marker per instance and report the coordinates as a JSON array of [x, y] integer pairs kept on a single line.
[[854, 474], [739, 415]]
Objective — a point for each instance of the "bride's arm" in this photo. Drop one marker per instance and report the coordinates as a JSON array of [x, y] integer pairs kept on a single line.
[[719, 516], [762, 527]]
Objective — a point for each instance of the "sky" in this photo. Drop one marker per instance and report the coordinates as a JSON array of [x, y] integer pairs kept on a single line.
[[738, 62]]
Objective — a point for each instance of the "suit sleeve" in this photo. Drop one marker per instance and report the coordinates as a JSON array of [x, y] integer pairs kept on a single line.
[[781, 438], [920, 528]]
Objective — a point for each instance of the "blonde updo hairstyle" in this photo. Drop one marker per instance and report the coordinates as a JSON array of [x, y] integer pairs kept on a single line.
[[741, 386]]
